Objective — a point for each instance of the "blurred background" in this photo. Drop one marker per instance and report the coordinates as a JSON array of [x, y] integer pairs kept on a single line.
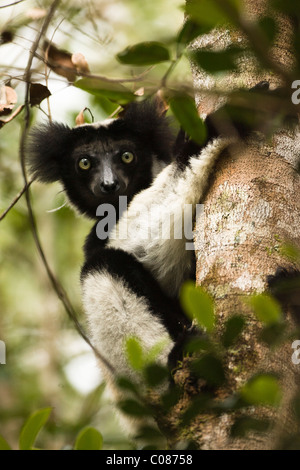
[[47, 362]]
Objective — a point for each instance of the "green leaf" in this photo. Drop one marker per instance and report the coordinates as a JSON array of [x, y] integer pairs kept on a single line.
[[233, 328], [89, 439], [133, 408], [266, 308], [198, 344], [216, 61], [155, 350], [31, 428], [269, 28], [144, 53], [3, 444], [296, 407], [273, 334], [290, 251], [211, 13], [113, 91], [149, 433], [190, 31], [246, 424], [262, 389], [198, 305], [171, 397], [125, 384], [134, 353], [155, 374], [199, 405], [185, 111], [209, 368], [289, 7]]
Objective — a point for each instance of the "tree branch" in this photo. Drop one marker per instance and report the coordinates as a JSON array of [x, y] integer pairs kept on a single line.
[[54, 281]]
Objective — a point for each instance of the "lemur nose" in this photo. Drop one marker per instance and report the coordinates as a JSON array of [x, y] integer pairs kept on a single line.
[[110, 187]]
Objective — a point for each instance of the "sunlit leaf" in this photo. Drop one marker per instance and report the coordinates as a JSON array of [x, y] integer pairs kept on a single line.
[[155, 350], [291, 251], [134, 353], [31, 428], [89, 439], [3, 444], [198, 305], [144, 53], [262, 389], [212, 13]]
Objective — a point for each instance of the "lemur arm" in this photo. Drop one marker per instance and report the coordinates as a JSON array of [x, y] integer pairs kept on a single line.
[[143, 230]]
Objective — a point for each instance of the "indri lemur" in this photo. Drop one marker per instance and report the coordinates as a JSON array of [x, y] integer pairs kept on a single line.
[[130, 285]]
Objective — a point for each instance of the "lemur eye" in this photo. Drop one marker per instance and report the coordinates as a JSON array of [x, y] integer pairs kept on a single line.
[[84, 164], [127, 157]]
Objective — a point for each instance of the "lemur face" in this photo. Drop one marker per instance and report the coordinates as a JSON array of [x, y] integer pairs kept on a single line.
[[106, 167], [103, 166], [97, 163]]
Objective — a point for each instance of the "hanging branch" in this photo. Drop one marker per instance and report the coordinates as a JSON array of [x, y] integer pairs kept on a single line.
[[16, 199], [54, 281]]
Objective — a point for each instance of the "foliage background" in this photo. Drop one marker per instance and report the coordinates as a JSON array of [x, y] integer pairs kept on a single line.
[[47, 363]]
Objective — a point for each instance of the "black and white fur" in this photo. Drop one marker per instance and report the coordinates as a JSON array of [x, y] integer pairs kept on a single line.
[[130, 285]]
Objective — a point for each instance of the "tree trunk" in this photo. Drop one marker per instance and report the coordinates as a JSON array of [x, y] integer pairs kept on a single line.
[[250, 211]]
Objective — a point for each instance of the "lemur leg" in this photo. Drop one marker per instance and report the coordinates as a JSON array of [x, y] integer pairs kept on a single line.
[[122, 299]]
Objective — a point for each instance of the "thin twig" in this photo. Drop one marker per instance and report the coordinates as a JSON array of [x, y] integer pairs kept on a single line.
[[16, 199], [134, 79], [54, 281], [12, 4]]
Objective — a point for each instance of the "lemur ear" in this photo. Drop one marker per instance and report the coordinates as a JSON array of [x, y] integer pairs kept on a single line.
[[48, 144], [144, 116], [159, 105]]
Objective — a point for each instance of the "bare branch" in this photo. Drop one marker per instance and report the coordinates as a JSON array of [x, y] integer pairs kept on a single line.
[[16, 199], [54, 281], [12, 4]]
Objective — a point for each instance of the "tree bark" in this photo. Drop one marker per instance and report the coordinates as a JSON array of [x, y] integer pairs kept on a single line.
[[251, 209]]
